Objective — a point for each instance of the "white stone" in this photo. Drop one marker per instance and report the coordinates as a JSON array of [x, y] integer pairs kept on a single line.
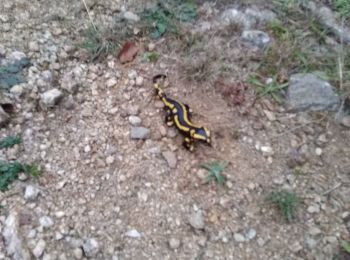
[[139, 81], [50, 98], [110, 159], [111, 82], [17, 90], [174, 243], [90, 247], [239, 237], [135, 120], [130, 16], [133, 233], [39, 248], [318, 151], [31, 192], [46, 222]]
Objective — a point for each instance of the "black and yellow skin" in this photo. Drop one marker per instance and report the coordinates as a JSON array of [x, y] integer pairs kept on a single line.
[[179, 114]]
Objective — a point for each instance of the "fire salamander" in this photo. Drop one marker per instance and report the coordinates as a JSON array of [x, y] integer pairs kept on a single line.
[[179, 114]]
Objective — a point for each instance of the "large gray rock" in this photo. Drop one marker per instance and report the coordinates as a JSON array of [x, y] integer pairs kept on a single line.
[[308, 92]]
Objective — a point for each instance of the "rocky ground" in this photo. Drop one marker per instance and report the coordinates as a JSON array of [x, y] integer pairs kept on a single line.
[[116, 181]]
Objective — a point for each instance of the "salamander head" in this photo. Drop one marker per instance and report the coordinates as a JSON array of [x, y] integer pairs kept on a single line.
[[203, 134]]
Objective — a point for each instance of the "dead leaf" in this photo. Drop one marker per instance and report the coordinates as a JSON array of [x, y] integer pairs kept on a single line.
[[128, 52]]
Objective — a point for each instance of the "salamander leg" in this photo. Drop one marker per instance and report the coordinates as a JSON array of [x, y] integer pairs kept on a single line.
[[189, 111], [169, 118], [188, 143]]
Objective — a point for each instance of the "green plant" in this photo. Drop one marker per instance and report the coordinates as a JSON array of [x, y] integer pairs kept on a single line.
[[164, 17], [99, 44], [9, 141], [285, 201], [11, 73], [272, 88], [342, 7], [32, 170], [346, 246], [9, 172], [215, 170], [297, 171], [151, 56]]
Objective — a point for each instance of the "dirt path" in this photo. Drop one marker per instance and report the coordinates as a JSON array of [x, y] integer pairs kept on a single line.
[[105, 195]]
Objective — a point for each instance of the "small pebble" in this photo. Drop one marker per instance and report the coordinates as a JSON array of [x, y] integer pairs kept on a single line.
[[39, 248], [139, 81], [111, 82], [90, 247], [239, 237], [46, 222], [313, 209], [251, 233], [135, 120], [133, 233], [31, 193], [110, 159], [318, 151], [174, 243], [196, 220], [78, 253]]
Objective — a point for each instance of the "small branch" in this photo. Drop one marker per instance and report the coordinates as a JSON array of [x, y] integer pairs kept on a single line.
[[90, 17], [332, 189]]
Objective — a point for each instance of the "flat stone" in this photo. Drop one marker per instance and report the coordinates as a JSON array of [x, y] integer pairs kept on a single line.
[[256, 38], [308, 92], [170, 158], [196, 220], [139, 132]]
